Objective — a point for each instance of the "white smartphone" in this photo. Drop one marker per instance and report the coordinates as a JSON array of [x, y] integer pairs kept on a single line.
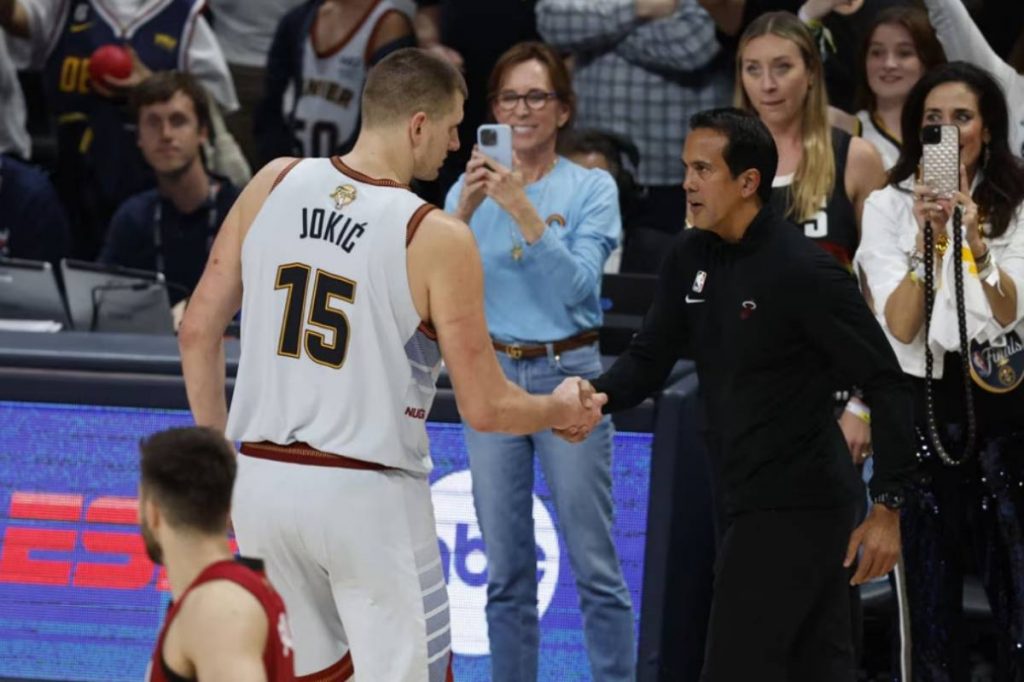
[[940, 158], [495, 140]]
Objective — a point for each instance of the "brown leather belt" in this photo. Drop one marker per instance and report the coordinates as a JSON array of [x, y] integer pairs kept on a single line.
[[303, 453], [526, 351]]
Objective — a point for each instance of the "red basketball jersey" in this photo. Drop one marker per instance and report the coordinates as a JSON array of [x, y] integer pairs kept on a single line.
[[277, 653]]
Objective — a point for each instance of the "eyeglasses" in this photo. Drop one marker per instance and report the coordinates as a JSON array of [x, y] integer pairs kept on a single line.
[[534, 99]]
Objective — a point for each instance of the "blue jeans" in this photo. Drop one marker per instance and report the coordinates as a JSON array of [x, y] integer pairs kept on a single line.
[[579, 478]]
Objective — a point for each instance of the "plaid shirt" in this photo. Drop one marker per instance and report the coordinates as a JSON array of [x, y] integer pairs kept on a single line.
[[642, 79]]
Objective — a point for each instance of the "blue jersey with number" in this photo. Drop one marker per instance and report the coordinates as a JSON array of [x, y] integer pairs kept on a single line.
[[99, 160]]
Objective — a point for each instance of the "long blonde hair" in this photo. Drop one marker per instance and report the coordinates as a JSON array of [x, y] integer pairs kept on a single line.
[[815, 176]]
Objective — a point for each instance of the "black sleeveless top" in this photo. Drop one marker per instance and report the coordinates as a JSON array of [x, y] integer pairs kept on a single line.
[[834, 227]]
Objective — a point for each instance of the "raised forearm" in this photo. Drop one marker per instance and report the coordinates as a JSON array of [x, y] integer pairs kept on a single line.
[[683, 42], [529, 222], [585, 24], [1002, 299], [727, 14], [904, 311]]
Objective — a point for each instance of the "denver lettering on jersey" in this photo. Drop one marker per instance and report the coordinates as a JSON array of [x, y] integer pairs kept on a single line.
[[328, 90], [316, 224]]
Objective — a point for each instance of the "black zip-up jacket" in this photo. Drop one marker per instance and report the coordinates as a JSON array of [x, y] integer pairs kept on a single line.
[[774, 325]]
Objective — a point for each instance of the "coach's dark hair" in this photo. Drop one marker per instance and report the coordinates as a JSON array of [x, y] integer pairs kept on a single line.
[[190, 473], [1001, 190], [408, 81], [749, 145], [161, 86]]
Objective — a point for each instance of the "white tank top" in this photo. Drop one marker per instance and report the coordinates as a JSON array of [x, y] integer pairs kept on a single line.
[[326, 113], [874, 133], [334, 353]]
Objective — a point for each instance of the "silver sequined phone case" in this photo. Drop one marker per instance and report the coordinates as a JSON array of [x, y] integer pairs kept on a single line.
[[940, 158]]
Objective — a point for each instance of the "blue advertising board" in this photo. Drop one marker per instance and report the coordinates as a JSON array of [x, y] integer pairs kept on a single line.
[[79, 599]]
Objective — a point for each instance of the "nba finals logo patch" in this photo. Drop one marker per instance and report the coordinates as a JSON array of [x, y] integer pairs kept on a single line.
[[698, 281], [343, 195], [555, 219]]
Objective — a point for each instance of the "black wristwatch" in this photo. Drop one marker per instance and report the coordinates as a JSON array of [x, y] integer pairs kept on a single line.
[[894, 501]]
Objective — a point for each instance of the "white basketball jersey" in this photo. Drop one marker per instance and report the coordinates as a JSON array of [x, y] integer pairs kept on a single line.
[[326, 113], [886, 145], [333, 351]]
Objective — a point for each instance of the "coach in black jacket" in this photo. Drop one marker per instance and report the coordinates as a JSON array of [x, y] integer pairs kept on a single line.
[[774, 325]]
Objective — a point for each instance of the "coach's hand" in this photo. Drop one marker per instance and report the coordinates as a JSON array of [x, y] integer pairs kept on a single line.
[[582, 409], [588, 399], [879, 535]]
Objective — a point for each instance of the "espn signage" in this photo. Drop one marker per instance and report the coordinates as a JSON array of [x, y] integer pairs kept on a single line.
[[80, 600], [46, 524]]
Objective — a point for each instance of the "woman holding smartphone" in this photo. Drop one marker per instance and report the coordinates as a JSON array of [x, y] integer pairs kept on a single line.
[[979, 503], [545, 228]]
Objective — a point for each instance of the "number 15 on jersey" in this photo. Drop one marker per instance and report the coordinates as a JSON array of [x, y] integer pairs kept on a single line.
[[294, 277]]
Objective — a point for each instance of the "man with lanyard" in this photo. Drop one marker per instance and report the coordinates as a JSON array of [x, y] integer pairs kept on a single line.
[[170, 229], [771, 319], [97, 167]]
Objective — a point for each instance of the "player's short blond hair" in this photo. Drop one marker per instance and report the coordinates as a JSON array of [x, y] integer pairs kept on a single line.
[[406, 82]]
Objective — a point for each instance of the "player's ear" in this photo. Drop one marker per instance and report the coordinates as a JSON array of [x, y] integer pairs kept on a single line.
[[417, 126]]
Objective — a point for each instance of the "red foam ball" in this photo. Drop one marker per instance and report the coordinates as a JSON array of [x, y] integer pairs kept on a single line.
[[110, 61]]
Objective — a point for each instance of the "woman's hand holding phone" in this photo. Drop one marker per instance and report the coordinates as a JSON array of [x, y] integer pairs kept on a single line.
[[473, 186]]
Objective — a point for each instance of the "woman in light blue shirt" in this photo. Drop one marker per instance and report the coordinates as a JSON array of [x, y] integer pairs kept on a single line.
[[545, 229]]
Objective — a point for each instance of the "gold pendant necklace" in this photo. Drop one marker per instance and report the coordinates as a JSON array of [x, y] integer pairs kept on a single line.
[[517, 252]]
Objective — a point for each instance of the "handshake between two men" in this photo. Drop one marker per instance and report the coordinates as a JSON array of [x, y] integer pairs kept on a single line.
[[582, 405]]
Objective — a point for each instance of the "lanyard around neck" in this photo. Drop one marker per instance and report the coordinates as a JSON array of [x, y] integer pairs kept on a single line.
[[158, 219]]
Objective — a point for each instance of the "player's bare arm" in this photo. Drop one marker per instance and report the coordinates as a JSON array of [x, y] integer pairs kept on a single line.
[[447, 284], [220, 635], [216, 300]]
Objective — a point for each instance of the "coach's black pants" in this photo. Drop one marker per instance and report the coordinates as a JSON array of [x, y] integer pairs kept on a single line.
[[781, 605]]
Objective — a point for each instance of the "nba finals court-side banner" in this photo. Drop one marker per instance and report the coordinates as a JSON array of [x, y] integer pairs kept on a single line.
[[79, 599]]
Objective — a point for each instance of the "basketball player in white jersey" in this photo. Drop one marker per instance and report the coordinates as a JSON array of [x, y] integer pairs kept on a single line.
[[340, 40], [351, 290]]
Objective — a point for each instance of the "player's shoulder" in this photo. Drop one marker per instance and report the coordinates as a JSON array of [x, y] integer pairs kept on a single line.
[[442, 226], [276, 170], [218, 600], [264, 181], [440, 239]]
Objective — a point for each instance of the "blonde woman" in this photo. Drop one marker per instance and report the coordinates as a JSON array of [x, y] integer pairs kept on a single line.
[[824, 175]]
